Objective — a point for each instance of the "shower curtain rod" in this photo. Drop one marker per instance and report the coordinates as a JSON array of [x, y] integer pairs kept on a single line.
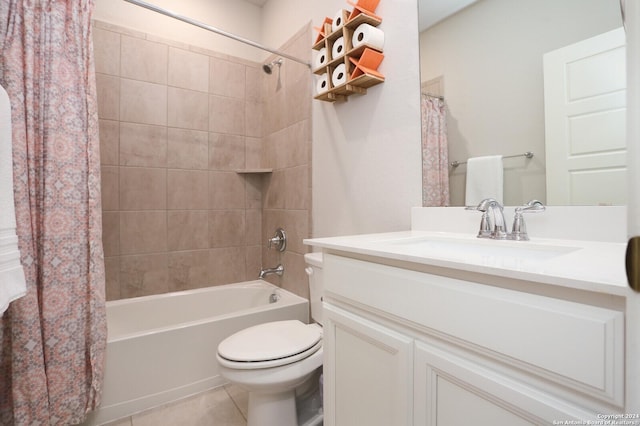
[[433, 96], [198, 24]]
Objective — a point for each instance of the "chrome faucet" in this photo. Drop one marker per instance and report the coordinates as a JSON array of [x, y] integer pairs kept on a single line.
[[493, 225], [278, 270]]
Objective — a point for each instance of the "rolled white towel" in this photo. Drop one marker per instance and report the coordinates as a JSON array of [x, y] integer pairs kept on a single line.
[[12, 281]]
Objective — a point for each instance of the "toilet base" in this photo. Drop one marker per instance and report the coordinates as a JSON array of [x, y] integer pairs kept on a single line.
[[272, 409]]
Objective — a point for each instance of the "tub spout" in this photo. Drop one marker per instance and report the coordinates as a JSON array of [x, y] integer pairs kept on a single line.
[[278, 270]]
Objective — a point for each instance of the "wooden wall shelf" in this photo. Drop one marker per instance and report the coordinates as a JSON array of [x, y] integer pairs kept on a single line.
[[364, 77]]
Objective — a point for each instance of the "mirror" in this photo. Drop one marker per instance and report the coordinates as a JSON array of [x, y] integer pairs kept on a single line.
[[485, 57]]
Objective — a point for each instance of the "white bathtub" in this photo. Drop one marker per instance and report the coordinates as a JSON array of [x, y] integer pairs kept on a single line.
[[161, 348]]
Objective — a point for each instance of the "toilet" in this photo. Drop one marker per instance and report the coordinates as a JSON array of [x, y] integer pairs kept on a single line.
[[276, 361]]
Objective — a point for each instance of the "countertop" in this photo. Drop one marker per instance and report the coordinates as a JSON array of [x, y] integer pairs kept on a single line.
[[586, 265]]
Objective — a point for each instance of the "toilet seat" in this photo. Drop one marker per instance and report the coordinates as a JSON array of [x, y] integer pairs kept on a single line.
[[269, 345]]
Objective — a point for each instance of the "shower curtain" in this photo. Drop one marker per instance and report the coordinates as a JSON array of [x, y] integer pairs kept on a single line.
[[435, 157], [53, 339]]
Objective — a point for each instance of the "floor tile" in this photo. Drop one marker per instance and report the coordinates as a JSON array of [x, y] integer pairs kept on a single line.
[[212, 408], [240, 397]]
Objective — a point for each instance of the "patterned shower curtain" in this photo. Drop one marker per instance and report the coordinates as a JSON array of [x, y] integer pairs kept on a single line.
[[53, 339], [435, 157]]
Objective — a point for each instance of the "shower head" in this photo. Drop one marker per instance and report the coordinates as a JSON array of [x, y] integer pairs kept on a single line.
[[268, 68]]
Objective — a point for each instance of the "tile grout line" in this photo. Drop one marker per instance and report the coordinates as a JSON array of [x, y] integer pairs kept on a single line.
[[234, 402]]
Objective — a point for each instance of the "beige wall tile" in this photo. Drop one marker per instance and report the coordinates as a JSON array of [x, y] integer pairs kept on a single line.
[[290, 147], [298, 47], [106, 50], [187, 149], [109, 141], [273, 192], [253, 234], [253, 153], [226, 265], [226, 115], [253, 119], [109, 177], [143, 275], [269, 150], [188, 270], [143, 232], [294, 222], [227, 78], [187, 189], [108, 90], [294, 278], [188, 109], [298, 103], [143, 102], [297, 188], [270, 259], [216, 121], [143, 145], [226, 152], [187, 229], [273, 112], [226, 190], [111, 233], [188, 70], [253, 262], [112, 277], [143, 60], [226, 228], [254, 184], [253, 84], [143, 188]]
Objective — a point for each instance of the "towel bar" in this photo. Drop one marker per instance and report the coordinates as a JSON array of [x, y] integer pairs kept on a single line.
[[527, 154]]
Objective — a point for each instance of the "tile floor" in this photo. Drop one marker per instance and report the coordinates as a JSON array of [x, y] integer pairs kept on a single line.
[[223, 406]]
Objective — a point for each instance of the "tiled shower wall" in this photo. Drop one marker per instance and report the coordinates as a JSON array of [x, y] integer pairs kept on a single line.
[[175, 123], [287, 149]]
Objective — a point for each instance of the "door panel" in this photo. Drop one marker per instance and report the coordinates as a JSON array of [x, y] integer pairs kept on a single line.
[[585, 122]]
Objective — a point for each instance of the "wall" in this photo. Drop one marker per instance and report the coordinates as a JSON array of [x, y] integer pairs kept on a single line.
[[175, 121], [366, 152], [366, 170], [286, 148], [238, 17], [490, 58]]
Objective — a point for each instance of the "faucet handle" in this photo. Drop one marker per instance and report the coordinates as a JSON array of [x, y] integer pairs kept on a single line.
[[519, 229], [279, 240], [484, 205], [533, 206]]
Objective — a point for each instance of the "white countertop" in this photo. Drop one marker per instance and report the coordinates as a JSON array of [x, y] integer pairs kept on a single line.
[[587, 265]]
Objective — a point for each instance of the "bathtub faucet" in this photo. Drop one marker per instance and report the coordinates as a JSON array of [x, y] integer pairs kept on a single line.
[[278, 270]]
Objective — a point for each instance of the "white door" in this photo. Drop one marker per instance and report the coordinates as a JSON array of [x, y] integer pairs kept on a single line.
[[585, 108]]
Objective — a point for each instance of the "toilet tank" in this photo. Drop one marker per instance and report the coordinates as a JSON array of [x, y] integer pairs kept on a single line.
[[316, 287]]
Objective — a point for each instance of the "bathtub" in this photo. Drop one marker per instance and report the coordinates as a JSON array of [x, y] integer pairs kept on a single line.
[[163, 347]]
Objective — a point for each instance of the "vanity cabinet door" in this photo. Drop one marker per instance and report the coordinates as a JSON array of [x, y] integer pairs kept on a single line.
[[451, 390], [368, 372]]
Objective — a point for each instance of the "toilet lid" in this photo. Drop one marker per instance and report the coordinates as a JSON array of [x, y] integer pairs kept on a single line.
[[270, 341]]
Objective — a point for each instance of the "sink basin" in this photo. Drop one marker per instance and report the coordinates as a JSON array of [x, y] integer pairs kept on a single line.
[[480, 249]]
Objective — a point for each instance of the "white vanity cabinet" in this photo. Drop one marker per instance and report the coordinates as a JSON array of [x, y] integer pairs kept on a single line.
[[370, 389], [412, 344]]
